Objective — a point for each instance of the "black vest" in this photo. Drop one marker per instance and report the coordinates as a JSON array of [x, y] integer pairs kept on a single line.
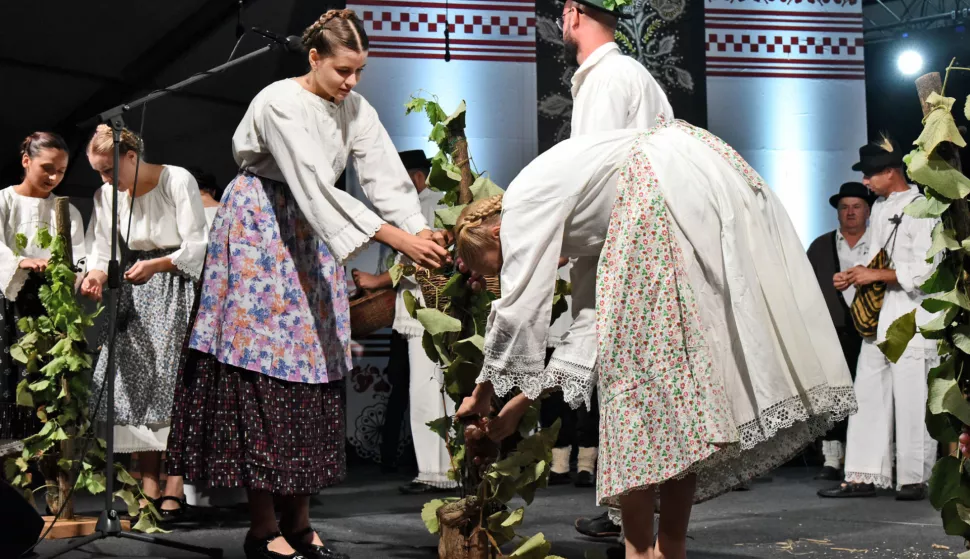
[[824, 256]]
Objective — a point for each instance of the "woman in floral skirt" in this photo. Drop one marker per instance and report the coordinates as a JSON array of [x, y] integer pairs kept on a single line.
[[694, 299]]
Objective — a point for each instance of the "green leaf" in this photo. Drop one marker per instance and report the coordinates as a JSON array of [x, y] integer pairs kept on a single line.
[[483, 187], [935, 329], [427, 342], [943, 239], [943, 279], [952, 524], [454, 286], [503, 489], [942, 302], [95, 483], [939, 126], [434, 112], [900, 332], [935, 173], [24, 397], [144, 524], [441, 426], [447, 217], [966, 112], [956, 404], [396, 272], [937, 392], [17, 352], [444, 356], [21, 242], [530, 420], [436, 322], [926, 207], [443, 177], [945, 481], [941, 428], [429, 514], [961, 338], [40, 385], [43, 238], [499, 531], [129, 498], [439, 135], [535, 547], [515, 518], [414, 104], [471, 348], [124, 477], [411, 304], [456, 121]]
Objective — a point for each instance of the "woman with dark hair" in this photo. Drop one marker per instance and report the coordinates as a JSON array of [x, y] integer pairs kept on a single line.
[[259, 402], [24, 209], [210, 193]]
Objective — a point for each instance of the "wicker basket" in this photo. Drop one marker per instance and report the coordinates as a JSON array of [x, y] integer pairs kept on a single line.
[[372, 312], [431, 283]]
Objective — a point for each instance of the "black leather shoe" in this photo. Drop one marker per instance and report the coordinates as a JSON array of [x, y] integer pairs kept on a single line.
[[173, 515], [559, 478], [258, 548], [849, 490], [309, 550], [828, 473], [585, 479], [418, 488], [911, 492], [597, 527]]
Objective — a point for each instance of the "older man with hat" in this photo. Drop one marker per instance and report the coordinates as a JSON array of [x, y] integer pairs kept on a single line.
[[891, 396], [831, 253], [416, 380]]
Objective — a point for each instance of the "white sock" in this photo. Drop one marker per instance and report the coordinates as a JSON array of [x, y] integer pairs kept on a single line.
[[586, 461], [560, 460], [831, 451]]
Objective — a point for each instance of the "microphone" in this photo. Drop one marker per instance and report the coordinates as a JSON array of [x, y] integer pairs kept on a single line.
[[291, 43]]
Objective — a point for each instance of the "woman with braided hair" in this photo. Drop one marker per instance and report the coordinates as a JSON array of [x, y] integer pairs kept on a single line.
[[259, 402], [695, 312]]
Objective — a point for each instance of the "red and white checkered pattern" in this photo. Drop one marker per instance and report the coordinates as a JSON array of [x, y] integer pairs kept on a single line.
[[748, 43]]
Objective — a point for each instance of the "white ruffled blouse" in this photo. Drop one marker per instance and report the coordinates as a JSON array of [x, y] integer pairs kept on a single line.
[[291, 135], [23, 214], [170, 215]]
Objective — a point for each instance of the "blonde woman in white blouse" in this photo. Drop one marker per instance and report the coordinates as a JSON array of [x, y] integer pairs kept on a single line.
[[163, 230], [24, 209]]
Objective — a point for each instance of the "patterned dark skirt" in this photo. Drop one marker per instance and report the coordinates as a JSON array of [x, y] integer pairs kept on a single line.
[[16, 422], [237, 428]]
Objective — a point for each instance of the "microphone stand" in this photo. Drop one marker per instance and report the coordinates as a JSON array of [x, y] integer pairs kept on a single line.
[[109, 523]]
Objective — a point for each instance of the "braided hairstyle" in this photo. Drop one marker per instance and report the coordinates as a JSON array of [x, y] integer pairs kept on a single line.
[[473, 228], [38, 141], [102, 142], [336, 28]]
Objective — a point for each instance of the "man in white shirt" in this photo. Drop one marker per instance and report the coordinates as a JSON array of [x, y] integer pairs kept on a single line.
[[885, 390], [610, 91], [833, 252], [416, 380]]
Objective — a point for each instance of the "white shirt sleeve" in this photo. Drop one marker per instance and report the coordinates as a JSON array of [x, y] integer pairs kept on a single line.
[[605, 106], [99, 233], [183, 191], [340, 220], [913, 272], [573, 363], [12, 278], [518, 326], [382, 175]]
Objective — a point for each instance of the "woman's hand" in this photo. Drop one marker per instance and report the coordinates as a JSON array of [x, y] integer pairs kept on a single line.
[[508, 419], [141, 272], [425, 253], [34, 264], [440, 238], [479, 403], [365, 281], [475, 281], [93, 284]]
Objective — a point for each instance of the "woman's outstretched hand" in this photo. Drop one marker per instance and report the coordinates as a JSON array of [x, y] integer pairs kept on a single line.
[[508, 419], [479, 403]]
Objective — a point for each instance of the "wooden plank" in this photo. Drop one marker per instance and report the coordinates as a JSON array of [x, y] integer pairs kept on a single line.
[[80, 526]]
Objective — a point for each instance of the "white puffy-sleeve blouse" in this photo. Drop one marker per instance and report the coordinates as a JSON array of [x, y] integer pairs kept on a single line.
[[559, 205], [26, 215], [291, 135], [170, 215]]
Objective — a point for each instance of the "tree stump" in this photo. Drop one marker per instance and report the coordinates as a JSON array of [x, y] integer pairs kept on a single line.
[[460, 538]]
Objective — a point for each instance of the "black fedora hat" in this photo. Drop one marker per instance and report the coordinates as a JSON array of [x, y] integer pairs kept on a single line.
[[876, 156], [852, 190], [414, 159]]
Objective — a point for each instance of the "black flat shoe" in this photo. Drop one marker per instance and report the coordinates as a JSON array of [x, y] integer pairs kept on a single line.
[[172, 515], [309, 550], [258, 548], [828, 473], [597, 527], [849, 490], [418, 488], [911, 492], [559, 478], [585, 479]]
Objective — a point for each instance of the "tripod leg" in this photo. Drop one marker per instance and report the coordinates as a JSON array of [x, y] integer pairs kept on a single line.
[[213, 552], [81, 542]]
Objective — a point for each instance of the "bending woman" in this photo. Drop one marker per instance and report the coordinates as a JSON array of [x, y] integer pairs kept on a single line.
[[24, 209], [165, 248], [693, 301], [259, 402]]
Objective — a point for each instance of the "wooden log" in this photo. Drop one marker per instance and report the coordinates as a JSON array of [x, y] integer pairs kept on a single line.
[[459, 538], [78, 527], [62, 219], [925, 85]]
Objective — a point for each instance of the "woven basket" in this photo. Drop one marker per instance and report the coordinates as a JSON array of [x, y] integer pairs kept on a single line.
[[431, 283], [372, 312]]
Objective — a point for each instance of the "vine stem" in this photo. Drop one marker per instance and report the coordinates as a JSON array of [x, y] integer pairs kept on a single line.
[[947, 75]]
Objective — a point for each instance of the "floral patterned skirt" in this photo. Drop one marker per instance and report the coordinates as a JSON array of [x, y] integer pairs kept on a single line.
[[681, 389]]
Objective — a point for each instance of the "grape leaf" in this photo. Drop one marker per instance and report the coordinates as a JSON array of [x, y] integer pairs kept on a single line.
[[926, 207], [535, 547], [429, 514], [939, 125], [448, 216], [436, 322], [900, 332], [483, 187], [935, 173]]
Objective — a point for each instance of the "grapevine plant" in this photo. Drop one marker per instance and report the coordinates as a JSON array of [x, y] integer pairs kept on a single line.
[[54, 352], [935, 165], [454, 338]]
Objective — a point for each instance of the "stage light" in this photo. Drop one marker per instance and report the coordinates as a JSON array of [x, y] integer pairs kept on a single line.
[[909, 62]]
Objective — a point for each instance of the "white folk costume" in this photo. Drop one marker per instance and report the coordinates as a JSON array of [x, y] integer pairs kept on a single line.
[[18, 296], [714, 340], [167, 221], [895, 391], [426, 401], [210, 215]]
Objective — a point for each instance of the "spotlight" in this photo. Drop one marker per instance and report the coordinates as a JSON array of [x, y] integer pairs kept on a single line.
[[909, 62]]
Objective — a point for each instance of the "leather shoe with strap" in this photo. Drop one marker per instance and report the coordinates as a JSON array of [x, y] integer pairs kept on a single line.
[[849, 490], [310, 550], [258, 548]]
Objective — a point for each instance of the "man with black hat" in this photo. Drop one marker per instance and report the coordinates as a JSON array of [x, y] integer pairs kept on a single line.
[[610, 90], [830, 254], [889, 391], [416, 380]]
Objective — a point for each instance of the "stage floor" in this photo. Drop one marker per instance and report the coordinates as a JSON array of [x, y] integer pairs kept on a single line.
[[778, 518]]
